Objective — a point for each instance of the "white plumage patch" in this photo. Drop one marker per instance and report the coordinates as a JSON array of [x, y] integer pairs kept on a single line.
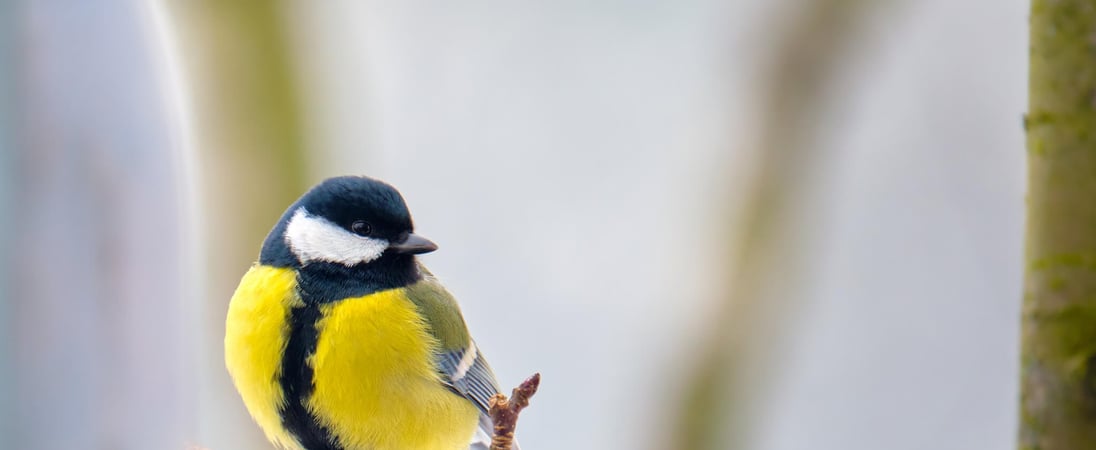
[[466, 362], [313, 238]]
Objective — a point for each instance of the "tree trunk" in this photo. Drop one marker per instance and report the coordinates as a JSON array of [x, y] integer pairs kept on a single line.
[[1058, 357], [95, 310], [248, 138]]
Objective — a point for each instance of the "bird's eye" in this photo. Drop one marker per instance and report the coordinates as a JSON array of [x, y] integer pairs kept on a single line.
[[361, 227]]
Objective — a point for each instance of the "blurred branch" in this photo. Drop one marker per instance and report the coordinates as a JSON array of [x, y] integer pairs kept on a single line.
[[504, 412], [249, 138], [715, 413], [1058, 354]]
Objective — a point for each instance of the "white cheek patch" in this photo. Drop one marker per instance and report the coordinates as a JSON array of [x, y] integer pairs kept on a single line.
[[314, 238]]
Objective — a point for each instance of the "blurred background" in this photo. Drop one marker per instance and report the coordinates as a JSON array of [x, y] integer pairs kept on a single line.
[[771, 225]]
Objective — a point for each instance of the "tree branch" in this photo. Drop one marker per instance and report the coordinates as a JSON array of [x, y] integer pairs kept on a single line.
[[504, 412]]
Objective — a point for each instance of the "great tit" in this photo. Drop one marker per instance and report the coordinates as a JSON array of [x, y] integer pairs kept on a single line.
[[339, 339]]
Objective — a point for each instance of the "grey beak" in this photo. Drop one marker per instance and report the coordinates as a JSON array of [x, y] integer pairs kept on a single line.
[[413, 245]]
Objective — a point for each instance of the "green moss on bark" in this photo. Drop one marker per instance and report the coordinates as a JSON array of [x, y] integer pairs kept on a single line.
[[1058, 362]]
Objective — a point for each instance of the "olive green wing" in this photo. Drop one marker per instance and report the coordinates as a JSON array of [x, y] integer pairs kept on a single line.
[[462, 367]]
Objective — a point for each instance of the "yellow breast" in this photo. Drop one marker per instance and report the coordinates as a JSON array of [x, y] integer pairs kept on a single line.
[[376, 387], [255, 338], [375, 382]]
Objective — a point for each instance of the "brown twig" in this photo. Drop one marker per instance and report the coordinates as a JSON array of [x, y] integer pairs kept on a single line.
[[504, 412]]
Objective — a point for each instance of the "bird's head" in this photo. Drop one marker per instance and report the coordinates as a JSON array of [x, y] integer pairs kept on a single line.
[[349, 221]]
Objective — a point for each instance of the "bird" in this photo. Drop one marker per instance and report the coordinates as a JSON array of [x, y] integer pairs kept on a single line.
[[339, 338]]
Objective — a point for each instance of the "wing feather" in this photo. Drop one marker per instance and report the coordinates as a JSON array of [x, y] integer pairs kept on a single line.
[[477, 383], [461, 366]]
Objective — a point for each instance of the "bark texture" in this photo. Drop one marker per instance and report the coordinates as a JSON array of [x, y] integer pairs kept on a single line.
[[1058, 357], [505, 411]]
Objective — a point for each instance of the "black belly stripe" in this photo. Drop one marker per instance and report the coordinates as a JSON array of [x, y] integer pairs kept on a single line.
[[296, 381], [320, 284]]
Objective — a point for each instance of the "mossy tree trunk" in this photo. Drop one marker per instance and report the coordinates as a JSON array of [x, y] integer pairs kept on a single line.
[[238, 64], [1058, 362]]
